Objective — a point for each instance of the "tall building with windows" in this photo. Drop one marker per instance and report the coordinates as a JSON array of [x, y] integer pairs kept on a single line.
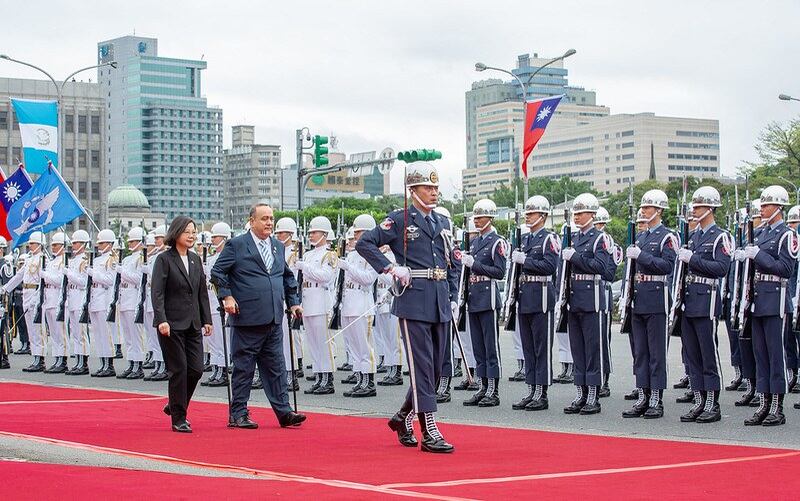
[[163, 137], [84, 138], [252, 174]]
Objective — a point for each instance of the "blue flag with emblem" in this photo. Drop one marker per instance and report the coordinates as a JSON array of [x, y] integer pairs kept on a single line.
[[38, 127], [46, 206]]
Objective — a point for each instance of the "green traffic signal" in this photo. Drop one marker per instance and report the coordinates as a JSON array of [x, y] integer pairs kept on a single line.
[[419, 155], [320, 150]]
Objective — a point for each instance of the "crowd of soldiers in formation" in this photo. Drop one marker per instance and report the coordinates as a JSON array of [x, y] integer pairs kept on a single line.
[[78, 297]]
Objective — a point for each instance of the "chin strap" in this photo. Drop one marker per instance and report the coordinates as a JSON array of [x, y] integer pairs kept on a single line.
[[591, 221], [427, 206], [700, 219], [541, 217], [769, 221], [488, 223]]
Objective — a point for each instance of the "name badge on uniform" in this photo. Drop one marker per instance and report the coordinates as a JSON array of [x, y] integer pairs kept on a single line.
[[412, 232]]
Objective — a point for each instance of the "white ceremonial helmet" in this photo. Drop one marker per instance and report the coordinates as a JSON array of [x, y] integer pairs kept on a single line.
[[159, 231], [755, 208], [330, 236], [320, 223], [81, 236], [471, 228], [537, 203], [285, 225], [640, 216], [59, 238], [706, 196], [774, 195], [364, 222], [655, 198], [37, 237], [106, 236], [150, 239], [585, 202], [421, 174], [794, 215], [484, 208], [602, 216], [135, 233], [351, 234], [3, 242], [221, 229], [443, 211]]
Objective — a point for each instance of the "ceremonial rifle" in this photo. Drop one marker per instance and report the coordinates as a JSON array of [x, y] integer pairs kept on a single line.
[[112, 309], [139, 319], [463, 289], [510, 306], [62, 303], [336, 317], [678, 290], [626, 299], [748, 280], [84, 319], [37, 317], [736, 289], [564, 283]]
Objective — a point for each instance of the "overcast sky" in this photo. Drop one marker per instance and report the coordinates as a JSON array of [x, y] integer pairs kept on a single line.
[[379, 74]]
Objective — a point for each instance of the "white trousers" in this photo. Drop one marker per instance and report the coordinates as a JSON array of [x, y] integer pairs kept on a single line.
[[318, 339], [216, 347], [78, 335], [361, 344], [564, 351], [58, 337], [36, 334], [466, 339], [298, 345], [518, 354], [132, 335], [102, 340], [387, 335], [152, 334]]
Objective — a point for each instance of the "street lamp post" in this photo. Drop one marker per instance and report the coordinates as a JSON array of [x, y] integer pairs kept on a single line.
[[796, 189], [524, 87], [786, 97]]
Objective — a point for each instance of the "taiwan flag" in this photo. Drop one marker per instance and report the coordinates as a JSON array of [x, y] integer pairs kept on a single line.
[[537, 116], [11, 189]]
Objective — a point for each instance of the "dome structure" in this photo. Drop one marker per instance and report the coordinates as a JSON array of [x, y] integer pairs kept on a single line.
[[127, 197]]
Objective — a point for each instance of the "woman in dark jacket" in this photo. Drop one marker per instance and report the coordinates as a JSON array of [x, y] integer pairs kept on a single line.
[[181, 311]]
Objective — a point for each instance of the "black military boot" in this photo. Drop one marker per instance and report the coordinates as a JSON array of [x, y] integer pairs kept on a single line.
[[137, 372], [474, 399], [443, 391], [257, 384], [402, 424], [299, 371], [367, 388], [792, 383], [563, 374], [222, 380], [640, 407], [432, 439], [394, 376], [633, 395], [4, 360], [117, 351], [577, 404], [765, 403], [162, 374], [357, 379], [59, 366], [592, 402], [109, 370], [71, 371], [457, 371], [492, 396], [124, 374], [687, 397], [539, 402], [317, 382], [518, 406], [36, 366], [736, 381], [604, 390], [351, 379], [381, 369], [214, 375], [465, 384], [749, 394], [711, 411], [149, 363], [25, 349], [696, 410], [775, 416], [291, 381], [520, 374], [655, 408], [101, 369], [326, 386], [682, 383], [346, 366], [82, 368]]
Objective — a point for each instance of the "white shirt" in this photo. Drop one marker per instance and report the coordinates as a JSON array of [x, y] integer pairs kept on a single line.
[[185, 260], [267, 241]]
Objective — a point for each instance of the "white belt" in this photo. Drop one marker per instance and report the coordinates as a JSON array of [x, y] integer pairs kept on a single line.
[[535, 278], [763, 277], [641, 277], [430, 274], [585, 277], [695, 279]]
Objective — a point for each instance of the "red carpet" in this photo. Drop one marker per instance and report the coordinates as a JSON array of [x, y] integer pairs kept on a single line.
[[338, 449]]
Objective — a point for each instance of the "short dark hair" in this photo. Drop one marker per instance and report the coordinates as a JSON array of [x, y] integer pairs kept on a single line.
[[255, 207], [176, 227]]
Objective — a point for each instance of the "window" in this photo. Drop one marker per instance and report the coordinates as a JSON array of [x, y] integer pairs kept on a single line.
[[69, 158], [95, 124], [629, 156], [81, 158], [627, 133], [693, 145], [95, 159], [69, 123], [82, 124], [81, 189], [3, 154], [499, 150], [627, 145], [3, 120]]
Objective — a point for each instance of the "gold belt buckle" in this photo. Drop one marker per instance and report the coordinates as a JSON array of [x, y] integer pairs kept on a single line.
[[439, 274]]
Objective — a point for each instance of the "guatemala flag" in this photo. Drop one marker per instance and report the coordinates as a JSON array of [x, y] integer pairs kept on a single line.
[[11, 189], [46, 206], [38, 126], [537, 116]]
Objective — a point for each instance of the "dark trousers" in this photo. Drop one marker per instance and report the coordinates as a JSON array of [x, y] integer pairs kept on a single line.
[[747, 357], [585, 342], [262, 346], [536, 335], [790, 345], [768, 348], [699, 336], [733, 339], [650, 354], [183, 355], [425, 350], [22, 326], [607, 364], [447, 361], [485, 333]]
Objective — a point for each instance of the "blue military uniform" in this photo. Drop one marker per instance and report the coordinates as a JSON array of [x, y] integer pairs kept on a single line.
[[791, 346], [535, 312], [746, 356], [609, 275], [483, 307]]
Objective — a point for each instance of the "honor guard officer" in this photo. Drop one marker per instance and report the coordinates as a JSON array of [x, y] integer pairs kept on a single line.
[[18, 310], [707, 258], [387, 328], [539, 260], [466, 339], [286, 233], [601, 219], [448, 365], [357, 300], [428, 277], [77, 280], [131, 280], [641, 225], [589, 257], [6, 272], [487, 263], [793, 221], [774, 255], [155, 246], [319, 270], [220, 233], [516, 338], [691, 222], [654, 251], [103, 275], [53, 275], [29, 277]]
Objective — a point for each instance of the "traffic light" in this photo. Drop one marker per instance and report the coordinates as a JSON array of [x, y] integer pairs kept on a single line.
[[419, 155], [320, 151]]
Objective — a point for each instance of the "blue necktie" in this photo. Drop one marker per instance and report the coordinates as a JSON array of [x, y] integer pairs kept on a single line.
[[265, 254]]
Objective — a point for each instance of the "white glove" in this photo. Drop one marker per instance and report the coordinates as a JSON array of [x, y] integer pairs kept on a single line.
[[568, 253], [145, 271], [467, 260], [298, 265], [89, 271], [685, 255], [454, 308], [518, 257], [343, 265], [750, 251], [633, 252], [738, 255], [401, 273]]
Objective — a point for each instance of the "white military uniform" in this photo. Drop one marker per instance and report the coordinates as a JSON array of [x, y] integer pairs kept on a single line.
[[215, 339], [319, 273], [104, 274], [357, 298], [151, 333], [131, 273], [53, 275], [388, 340], [28, 276], [76, 296], [291, 258]]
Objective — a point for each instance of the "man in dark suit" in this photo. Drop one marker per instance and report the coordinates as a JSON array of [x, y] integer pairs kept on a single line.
[[253, 284]]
